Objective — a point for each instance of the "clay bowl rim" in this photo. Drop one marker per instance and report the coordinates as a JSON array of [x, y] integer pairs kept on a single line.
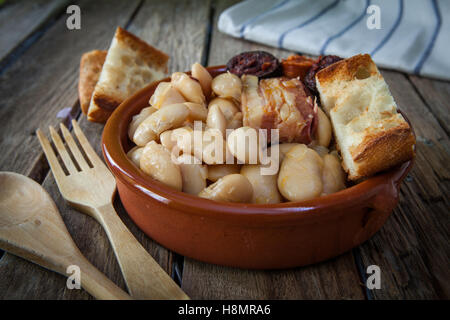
[[115, 138]]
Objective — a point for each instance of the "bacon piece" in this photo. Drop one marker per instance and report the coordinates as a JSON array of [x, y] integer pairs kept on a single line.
[[279, 103]]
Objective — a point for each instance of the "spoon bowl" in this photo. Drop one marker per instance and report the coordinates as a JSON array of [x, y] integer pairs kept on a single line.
[[15, 202], [32, 228]]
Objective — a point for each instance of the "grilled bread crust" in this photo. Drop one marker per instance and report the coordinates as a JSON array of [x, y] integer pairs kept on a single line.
[[90, 67], [130, 65], [370, 133]]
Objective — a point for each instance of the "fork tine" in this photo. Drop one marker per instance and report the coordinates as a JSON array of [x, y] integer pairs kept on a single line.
[[62, 151], [74, 148], [90, 152], [57, 170]]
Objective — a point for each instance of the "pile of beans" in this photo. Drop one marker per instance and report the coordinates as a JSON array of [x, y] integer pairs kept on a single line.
[[167, 124]]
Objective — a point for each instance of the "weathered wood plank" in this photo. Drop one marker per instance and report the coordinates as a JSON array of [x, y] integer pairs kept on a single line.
[[436, 95], [179, 28], [335, 279], [86, 232], [184, 38], [44, 80], [41, 82], [412, 249], [20, 19], [32, 282]]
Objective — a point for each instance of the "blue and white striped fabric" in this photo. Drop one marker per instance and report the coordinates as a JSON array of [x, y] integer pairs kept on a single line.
[[414, 36]]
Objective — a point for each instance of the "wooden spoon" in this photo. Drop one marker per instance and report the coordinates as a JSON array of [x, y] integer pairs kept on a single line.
[[32, 228]]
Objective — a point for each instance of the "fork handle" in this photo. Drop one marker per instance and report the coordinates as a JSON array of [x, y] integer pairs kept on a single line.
[[144, 277]]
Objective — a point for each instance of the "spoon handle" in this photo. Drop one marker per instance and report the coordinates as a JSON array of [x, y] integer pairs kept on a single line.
[[92, 280], [32, 228], [144, 277], [97, 284]]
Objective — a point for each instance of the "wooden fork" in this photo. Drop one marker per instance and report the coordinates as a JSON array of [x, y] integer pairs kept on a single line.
[[91, 190]]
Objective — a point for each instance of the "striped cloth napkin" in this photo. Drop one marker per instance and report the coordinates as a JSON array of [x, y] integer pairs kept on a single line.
[[411, 36]]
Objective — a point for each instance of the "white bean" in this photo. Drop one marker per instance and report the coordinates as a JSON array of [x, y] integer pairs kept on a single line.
[[164, 95], [144, 134], [196, 111], [333, 176], [184, 139], [231, 188], [215, 172], [193, 174], [171, 116], [210, 147], [138, 119], [321, 150], [227, 107], [203, 76], [227, 85], [236, 122], [214, 147], [300, 176], [265, 189], [244, 146], [323, 133], [156, 161], [135, 155], [188, 87], [231, 113], [284, 148], [216, 119], [275, 155], [165, 139]]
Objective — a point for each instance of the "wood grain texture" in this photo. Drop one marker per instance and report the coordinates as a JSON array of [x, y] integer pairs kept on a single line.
[[412, 248], [177, 27], [44, 80], [20, 19], [39, 84], [145, 279], [436, 96], [87, 233], [37, 283], [31, 227], [335, 279]]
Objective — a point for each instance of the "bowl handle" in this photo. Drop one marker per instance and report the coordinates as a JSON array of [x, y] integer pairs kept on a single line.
[[381, 205]]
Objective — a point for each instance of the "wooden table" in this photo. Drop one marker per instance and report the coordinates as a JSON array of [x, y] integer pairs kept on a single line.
[[39, 60]]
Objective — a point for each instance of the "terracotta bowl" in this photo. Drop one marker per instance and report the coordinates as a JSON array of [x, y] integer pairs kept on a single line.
[[245, 235]]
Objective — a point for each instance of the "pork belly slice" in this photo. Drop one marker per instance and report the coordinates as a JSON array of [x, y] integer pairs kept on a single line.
[[279, 103]]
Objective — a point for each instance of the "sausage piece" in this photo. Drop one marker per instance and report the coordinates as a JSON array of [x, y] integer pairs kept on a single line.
[[323, 62], [296, 66], [258, 63]]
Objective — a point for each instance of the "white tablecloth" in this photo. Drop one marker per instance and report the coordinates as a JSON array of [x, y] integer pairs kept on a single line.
[[414, 35]]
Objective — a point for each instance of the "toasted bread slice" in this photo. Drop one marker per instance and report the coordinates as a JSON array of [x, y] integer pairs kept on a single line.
[[130, 65], [90, 67], [370, 133]]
